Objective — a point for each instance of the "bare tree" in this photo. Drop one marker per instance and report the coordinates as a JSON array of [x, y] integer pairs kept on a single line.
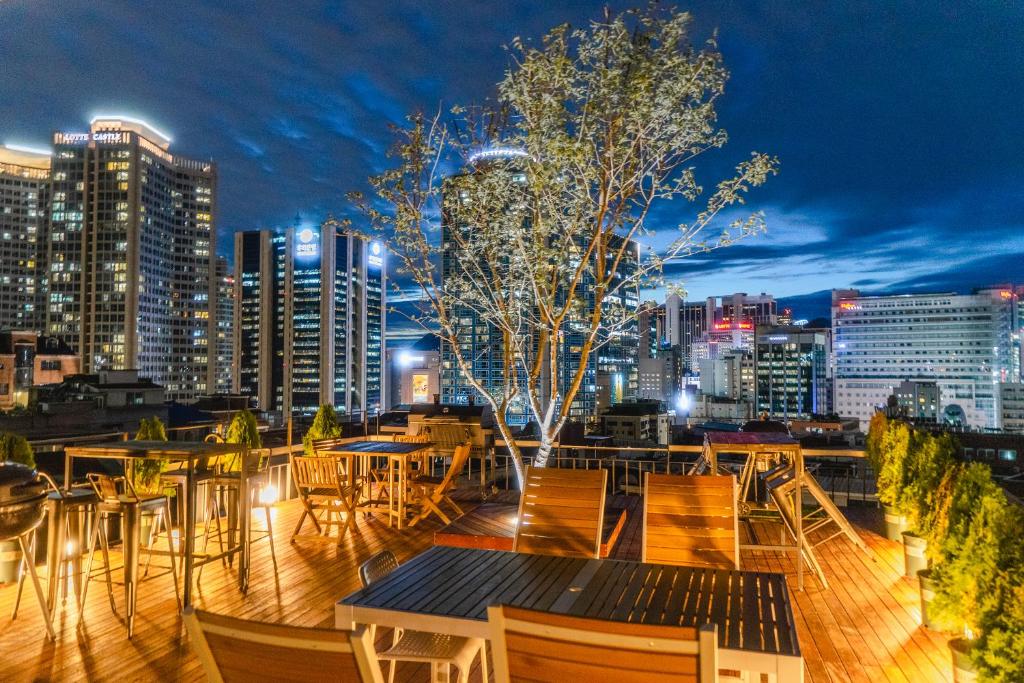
[[590, 131]]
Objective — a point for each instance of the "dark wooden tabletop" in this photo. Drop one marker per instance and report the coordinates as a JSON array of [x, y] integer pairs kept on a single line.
[[164, 450], [752, 609], [382, 447]]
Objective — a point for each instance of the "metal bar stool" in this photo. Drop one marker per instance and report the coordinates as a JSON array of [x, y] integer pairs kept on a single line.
[[69, 512], [117, 496], [225, 487]]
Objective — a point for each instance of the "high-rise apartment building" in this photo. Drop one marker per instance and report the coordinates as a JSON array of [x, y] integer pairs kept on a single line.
[[24, 205], [311, 320], [791, 371], [131, 254], [610, 372], [961, 341], [222, 381]]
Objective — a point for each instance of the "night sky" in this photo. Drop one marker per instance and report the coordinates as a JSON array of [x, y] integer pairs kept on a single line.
[[898, 124]]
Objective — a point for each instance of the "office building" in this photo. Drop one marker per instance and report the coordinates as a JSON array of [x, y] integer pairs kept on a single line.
[[918, 400], [310, 305], [609, 372], [222, 381], [731, 375], [790, 369], [1011, 406], [24, 204], [637, 423], [962, 342], [131, 254]]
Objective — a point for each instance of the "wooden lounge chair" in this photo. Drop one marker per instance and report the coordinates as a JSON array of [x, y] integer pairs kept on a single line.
[[439, 650], [323, 487], [561, 512], [691, 520], [240, 650], [528, 645], [432, 491]]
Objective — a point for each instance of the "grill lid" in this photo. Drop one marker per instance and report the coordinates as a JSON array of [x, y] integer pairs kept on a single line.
[[19, 483]]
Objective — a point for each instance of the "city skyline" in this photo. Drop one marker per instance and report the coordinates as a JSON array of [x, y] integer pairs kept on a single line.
[[883, 186]]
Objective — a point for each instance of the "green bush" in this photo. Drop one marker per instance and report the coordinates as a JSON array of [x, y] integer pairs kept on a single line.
[[894, 449], [325, 426], [957, 500], [873, 444], [243, 429], [928, 460], [16, 448], [146, 473]]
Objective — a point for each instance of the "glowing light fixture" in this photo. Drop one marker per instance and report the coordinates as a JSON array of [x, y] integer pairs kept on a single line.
[[497, 153], [131, 119], [268, 496]]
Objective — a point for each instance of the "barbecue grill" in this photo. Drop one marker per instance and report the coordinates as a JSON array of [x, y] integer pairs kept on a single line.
[[23, 493]]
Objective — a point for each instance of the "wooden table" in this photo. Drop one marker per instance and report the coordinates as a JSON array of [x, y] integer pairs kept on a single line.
[[398, 456], [190, 453], [448, 590]]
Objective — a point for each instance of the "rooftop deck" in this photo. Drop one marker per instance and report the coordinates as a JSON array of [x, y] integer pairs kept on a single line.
[[864, 628]]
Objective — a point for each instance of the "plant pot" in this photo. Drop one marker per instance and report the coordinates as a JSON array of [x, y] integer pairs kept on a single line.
[[895, 523], [927, 588], [964, 670], [914, 558], [10, 561]]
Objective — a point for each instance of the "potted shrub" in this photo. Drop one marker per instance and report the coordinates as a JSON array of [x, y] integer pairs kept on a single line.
[[928, 460], [146, 473], [977, 589], [891, 478], [957, 501], [13, 448], [325, 426], [243, 429]]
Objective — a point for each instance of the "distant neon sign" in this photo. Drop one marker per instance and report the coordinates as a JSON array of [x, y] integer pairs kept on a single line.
[[104, 138], [847, 306]]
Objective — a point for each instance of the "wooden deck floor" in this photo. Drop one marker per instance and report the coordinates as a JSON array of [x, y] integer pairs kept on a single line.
[[864, 628]]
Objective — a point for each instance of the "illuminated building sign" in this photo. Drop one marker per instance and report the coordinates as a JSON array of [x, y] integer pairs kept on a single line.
[[104, 138], [307, 244], [420, 388], [1005, 294], [847, 306], [497, 153], [730, 326], [376, 257]]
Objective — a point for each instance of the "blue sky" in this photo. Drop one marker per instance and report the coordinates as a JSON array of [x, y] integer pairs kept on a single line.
[[898, 125]]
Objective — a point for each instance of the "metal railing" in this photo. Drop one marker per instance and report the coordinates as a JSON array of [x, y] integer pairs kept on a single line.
[[844, 474]]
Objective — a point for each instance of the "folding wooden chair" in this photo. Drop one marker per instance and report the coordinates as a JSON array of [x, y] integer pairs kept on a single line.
[[691, 520], [433, 491], [323, 487], [240, 650], [536, 646], [561, 512]]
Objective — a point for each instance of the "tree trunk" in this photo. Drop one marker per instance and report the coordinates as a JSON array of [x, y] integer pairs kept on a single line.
[[514, 452], [543, 453]]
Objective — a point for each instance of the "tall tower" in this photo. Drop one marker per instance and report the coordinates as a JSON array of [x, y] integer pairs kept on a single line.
[[132, 254], [24, 206], [311, 320]]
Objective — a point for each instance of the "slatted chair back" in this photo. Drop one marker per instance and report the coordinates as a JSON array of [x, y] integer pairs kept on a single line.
[[446, 437], [561, 512], [528, 645], [377, 567], [310, 473], [240, 650], [691, 520], [109, 488]]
